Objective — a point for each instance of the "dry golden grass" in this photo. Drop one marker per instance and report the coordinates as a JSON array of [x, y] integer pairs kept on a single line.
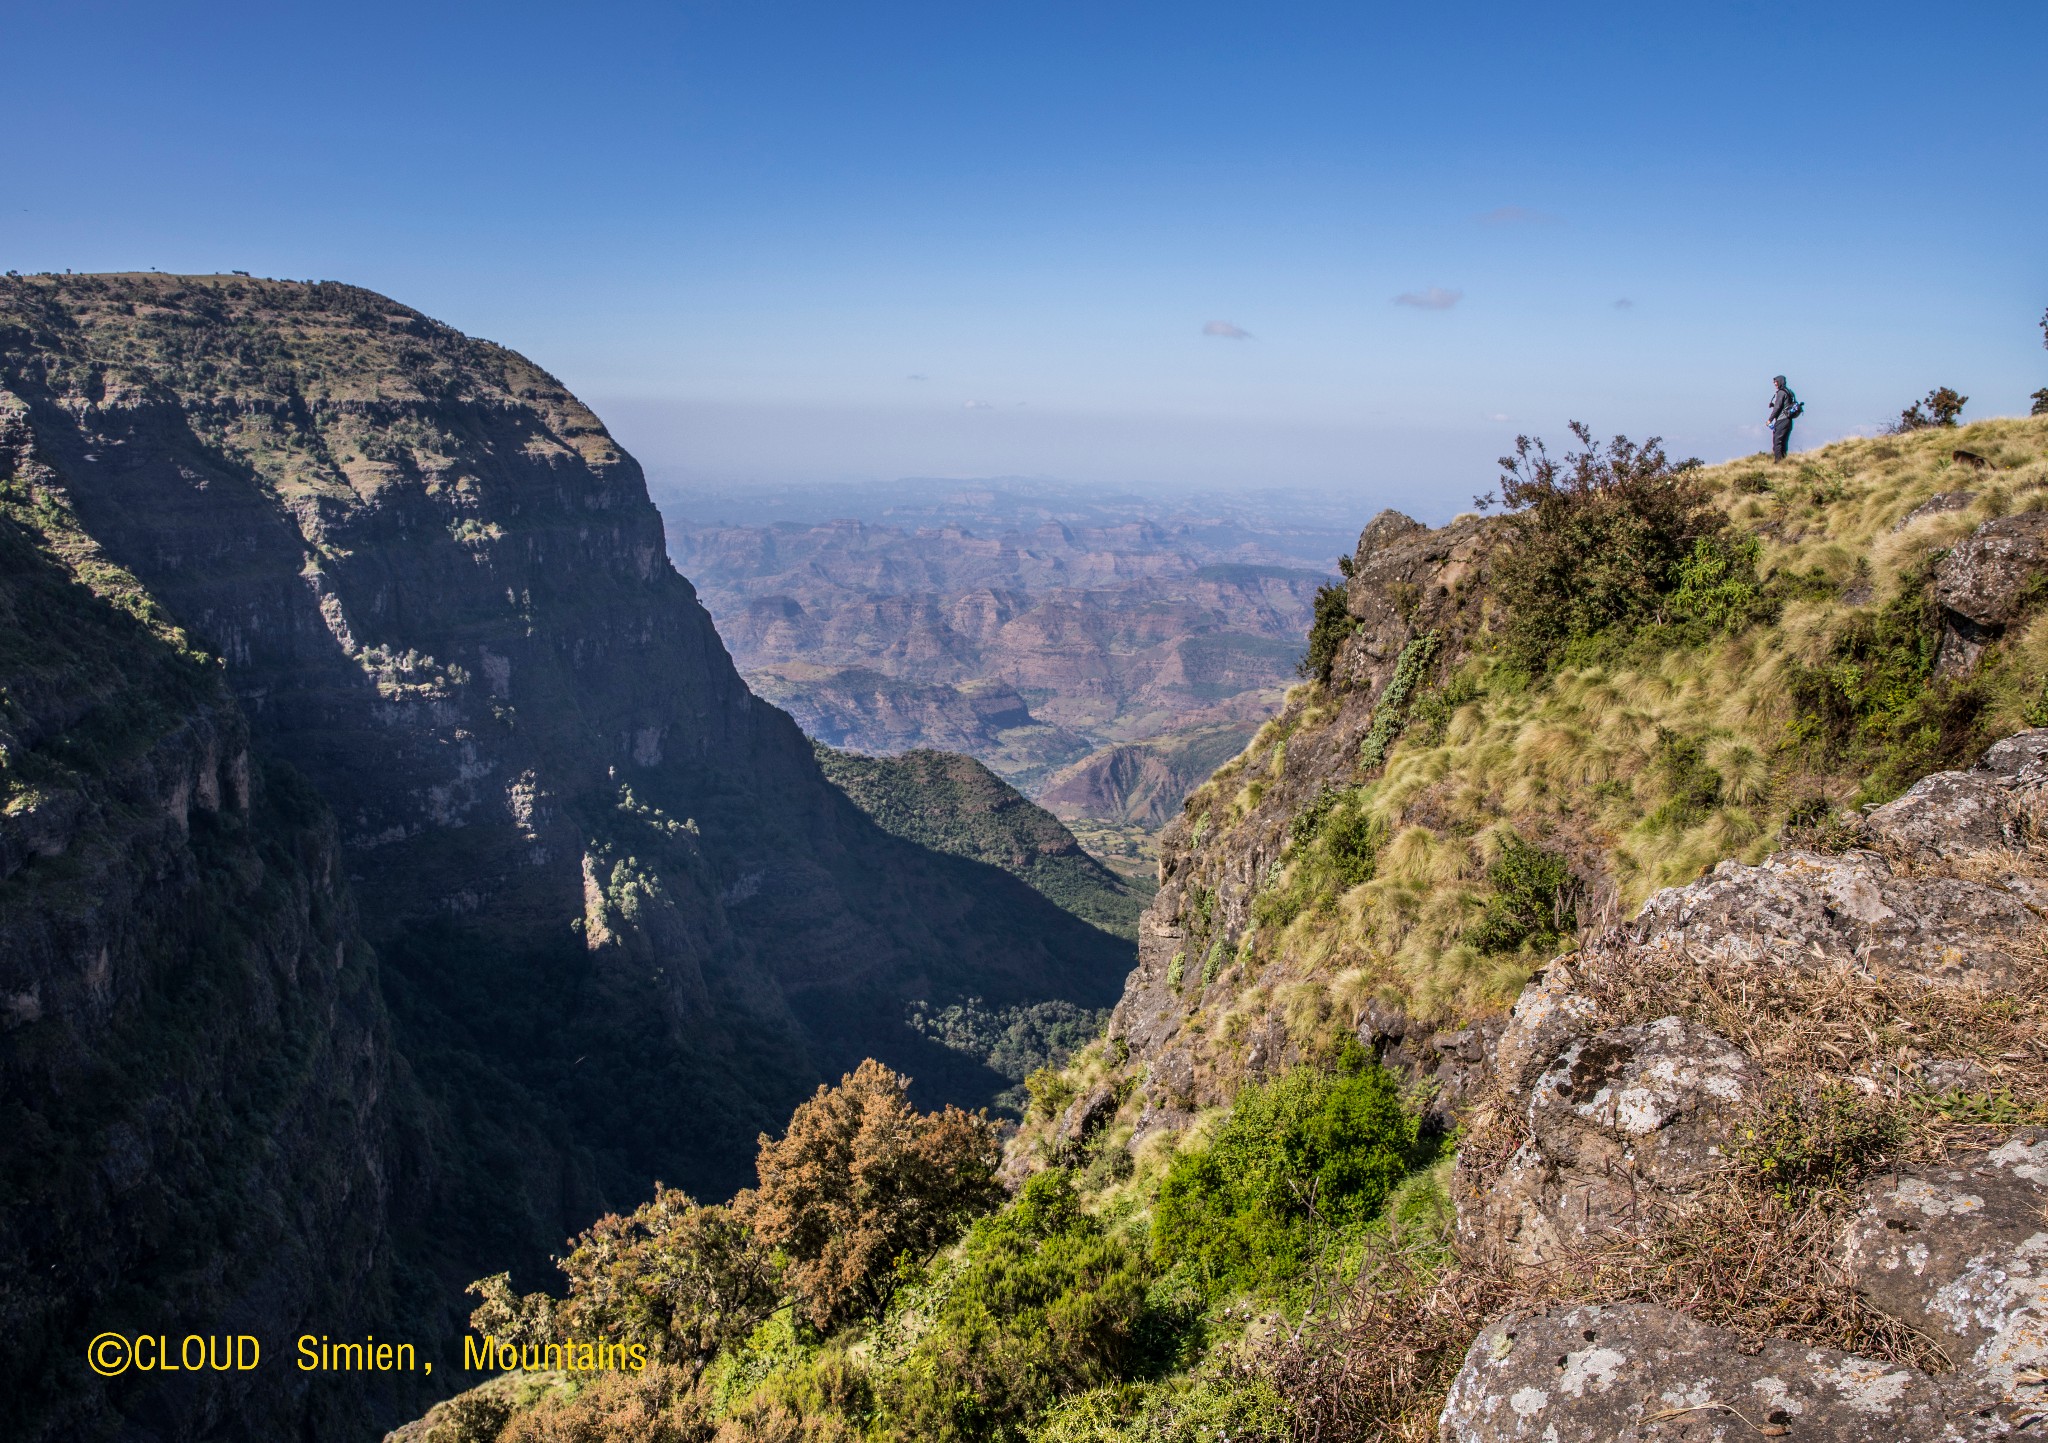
[[1574, 760]]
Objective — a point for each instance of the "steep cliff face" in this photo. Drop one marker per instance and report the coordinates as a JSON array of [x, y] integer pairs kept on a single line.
[[201, 1122], [436, 883], [1203, 1010], [596, 866]]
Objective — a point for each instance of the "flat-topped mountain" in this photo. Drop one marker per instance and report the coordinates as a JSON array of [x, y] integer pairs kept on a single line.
[[613, 919]]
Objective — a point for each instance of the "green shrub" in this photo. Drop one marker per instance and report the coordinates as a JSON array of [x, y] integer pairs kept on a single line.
[[1534, 902], [1718, 585], [1336, 847], [1876, 706], [1692, 789], [1596, 541], [1211, 1407], [1430, 718], [2036, 713], [1804, 1137], [1332, 627], [1390, 714], [1316, 1151], [1939, 407], [1046, 1303], [1050, 1090]]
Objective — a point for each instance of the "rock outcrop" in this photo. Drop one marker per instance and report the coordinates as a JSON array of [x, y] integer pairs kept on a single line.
[[1619, 1123], [1617, 1120], [1596, 1374], [1960, 1252], [1985, 584]]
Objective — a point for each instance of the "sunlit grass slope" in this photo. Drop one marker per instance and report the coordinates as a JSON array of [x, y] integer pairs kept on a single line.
[[1649, 757]]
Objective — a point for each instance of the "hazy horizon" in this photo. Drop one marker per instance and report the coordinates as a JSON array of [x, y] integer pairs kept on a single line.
[[1350, 247]]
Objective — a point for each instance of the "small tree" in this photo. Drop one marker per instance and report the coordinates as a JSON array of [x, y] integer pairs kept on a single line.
[[2041, 396], [861, 1180], [1596, 539], [1327, 633], [686, 1280], [681, 1279], [1939, 407]]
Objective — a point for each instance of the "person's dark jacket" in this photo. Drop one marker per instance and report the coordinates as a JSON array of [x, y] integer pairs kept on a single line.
[[1785, 407]]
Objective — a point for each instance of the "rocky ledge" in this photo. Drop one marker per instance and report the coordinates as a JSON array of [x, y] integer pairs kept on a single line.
[[1608, 1124]]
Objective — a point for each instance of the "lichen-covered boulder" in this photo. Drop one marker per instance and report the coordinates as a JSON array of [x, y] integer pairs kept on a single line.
[[1550, 1012], [1801, 908], [1961, 1253], [1597, 1374], [1620, 1119], [1985, 583], [1991, 818]]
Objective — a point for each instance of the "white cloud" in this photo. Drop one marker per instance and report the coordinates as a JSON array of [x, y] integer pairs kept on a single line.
[[1436, 298], [979, 406], [1226, 330], [1499, 418], [1514, 215]]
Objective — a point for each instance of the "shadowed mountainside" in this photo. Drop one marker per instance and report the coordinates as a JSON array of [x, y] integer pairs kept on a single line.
[[621, 921]]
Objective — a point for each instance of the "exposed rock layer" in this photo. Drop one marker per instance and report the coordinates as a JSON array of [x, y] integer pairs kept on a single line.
[[1621, 1123]]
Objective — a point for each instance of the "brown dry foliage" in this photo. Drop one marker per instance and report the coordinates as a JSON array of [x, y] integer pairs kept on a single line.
[[680, 1279], [1824, 1023], [660, 1405], [1375, 1362], [862, 1179], [687, 1280], [1744, 1258]]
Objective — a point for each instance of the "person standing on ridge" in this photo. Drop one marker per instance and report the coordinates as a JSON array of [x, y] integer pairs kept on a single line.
[[1785, 409]]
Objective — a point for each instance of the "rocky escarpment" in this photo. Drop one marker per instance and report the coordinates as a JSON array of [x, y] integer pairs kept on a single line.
[[555, 906], [203, 1128], [1184, 1015], [441, 592], [1904, 978]]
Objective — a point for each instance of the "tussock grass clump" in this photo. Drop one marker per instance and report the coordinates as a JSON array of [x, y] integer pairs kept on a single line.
[[1837, 1026]]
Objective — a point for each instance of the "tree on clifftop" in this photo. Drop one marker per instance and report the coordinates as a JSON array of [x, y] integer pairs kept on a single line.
[[1597, 539], [860, 1180]]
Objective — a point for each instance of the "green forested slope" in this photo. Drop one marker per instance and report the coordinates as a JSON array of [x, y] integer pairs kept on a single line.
[[954, 804]]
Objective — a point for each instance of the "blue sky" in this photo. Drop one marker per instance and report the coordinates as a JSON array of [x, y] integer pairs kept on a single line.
[[741, 229]]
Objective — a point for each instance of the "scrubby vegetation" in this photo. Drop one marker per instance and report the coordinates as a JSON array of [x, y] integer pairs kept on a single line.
[[1942, 406], [1331, 627], [1284, 1267], [1597, 542], [1314, 1152], [875, 1286]]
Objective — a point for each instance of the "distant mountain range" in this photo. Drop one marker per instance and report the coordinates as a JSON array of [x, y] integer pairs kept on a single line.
[[1026, 623]]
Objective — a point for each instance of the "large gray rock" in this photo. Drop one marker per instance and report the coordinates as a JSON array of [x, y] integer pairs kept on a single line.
[[1546, 1017], [1617, 1121], [1985, 583], [1802, 907], [2011, 757], [1597, 1374], [1961, 1253]]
